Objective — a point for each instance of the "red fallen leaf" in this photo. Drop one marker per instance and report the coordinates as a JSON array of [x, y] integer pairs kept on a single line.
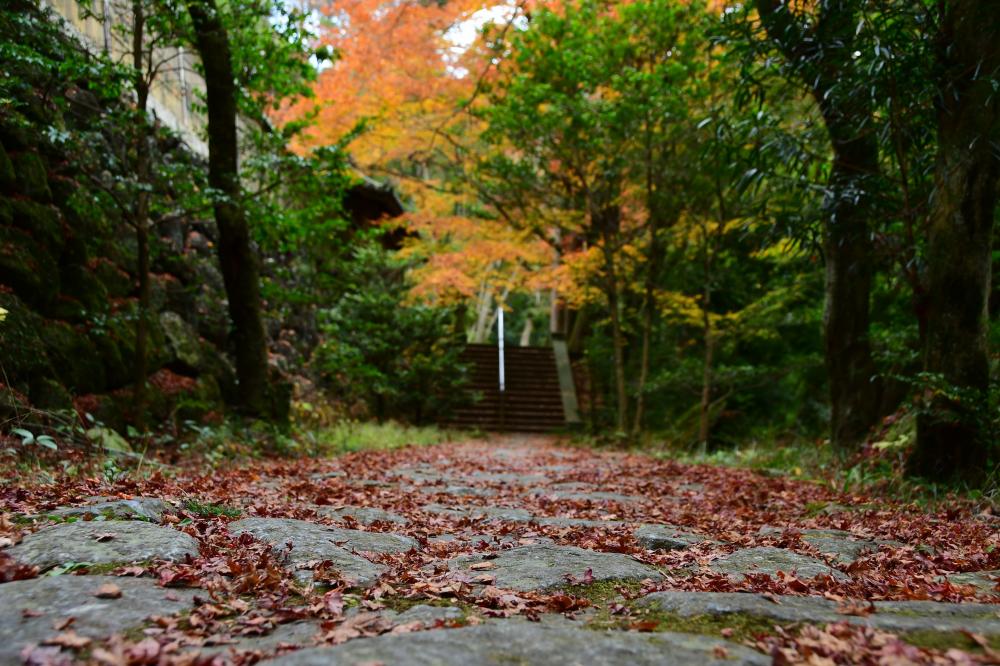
[[333, 602], [727, 632], [588, 576], [59, 625], [484, 579], [858, 608], [130, 571], [108, 591], [644, 625], [145, 651], [720, 652], [407, 627], [31, 612], [481, 566], [37, 655], [68, 639]]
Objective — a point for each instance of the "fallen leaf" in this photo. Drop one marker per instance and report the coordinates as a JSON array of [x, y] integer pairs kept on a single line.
[[68, 639], [108, 591]]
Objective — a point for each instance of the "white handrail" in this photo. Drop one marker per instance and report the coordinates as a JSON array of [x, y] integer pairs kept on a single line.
[[500, 346]]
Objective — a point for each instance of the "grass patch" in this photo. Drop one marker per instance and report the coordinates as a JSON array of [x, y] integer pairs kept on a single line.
[[350, 436], [208, 510], [946, 640], [744, 627], [601, 593]]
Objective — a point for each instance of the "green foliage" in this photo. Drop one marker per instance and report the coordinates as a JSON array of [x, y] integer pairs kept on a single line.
[[396, 358]]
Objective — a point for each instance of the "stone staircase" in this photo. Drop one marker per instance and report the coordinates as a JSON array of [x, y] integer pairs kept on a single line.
[[532, 402]]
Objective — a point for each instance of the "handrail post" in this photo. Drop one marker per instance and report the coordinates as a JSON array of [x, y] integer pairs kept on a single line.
[[502, 378]]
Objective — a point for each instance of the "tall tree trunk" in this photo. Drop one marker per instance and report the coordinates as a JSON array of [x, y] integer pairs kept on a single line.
[[951, 437], [656, 252], [822, 54], [140, 214], [609, 221], [709, 341], [854, 387], [240, 269]]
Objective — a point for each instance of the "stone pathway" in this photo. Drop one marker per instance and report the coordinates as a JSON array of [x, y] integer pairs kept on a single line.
[[445, 555]]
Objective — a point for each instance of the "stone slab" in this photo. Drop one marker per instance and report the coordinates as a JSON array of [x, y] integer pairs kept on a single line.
[[666, 537], [143, 508], [366, 515], [844, 546], [895, 616], [527, 644], [61, 597], [458, 491], [544, 566], [770, 560], [103, 542], [312, 542], [986, 582]]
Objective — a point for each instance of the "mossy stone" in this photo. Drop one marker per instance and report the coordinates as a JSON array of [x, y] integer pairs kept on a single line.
[[6, 211], [68, 309], [116, 282], [49, 394], [26, 266], [21, 346], [183, 345], [8, 179], [81, 283], [41, 221], [115, 341], [73, 357], [32, 176]]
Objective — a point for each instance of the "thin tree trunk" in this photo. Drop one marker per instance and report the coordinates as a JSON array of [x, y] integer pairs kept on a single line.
[[952, 435], [610, 219], [240, 269], [526, 332], [706, 370], [141, 211]]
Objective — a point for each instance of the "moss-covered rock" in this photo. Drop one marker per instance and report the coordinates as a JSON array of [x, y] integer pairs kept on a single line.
[[80, 282], [32, 176], [199, 403], [27, 267], [13, 404], [117, 282], [220, 368], [68, 309], [106, 409], [86, 216], [41, 221], [49, 394], [115, 340], [73, 357], [21, 346], [8, 179], [183, 345]]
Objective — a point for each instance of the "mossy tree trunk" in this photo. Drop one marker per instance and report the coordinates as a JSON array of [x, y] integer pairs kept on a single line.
[[239, 263], [952, 436]]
